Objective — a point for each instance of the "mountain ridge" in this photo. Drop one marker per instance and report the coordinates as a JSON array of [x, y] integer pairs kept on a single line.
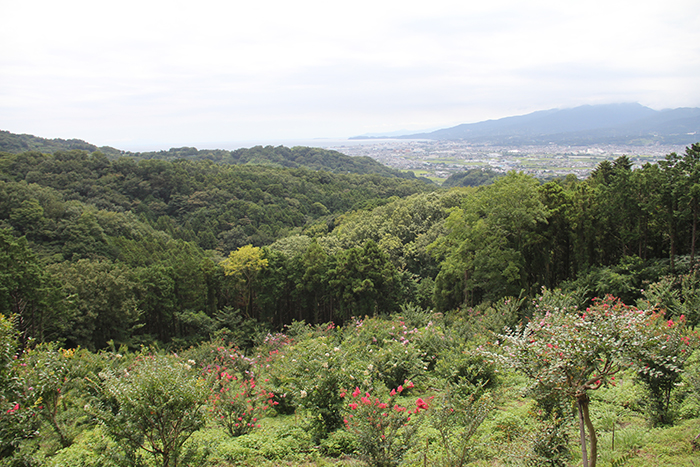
[[273, 156], [626, 123]]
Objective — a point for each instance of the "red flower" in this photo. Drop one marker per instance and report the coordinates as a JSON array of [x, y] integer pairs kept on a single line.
[[420, 403]]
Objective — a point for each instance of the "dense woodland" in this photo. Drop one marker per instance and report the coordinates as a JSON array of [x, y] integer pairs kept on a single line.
[[152, 235], [258, 254]]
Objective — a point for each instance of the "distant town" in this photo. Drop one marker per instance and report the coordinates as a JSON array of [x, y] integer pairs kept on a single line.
[[437, 160]]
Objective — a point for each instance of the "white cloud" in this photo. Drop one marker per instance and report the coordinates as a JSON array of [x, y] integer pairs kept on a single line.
[[175, 72]]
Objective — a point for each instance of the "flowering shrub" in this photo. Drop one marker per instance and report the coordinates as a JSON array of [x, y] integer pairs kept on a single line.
[[238, 403], [394, 362], [218, 358], [383, 428], [316, 376], [678, 295], [389, 349], [52, 378], [154, 405], [668, 346], [566, 352], [18, 420], [236, 400]]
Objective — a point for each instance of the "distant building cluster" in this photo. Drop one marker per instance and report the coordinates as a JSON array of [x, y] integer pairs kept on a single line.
[[439, 159]]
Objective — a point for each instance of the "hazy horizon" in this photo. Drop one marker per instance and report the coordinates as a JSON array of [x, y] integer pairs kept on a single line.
[[170, 74]]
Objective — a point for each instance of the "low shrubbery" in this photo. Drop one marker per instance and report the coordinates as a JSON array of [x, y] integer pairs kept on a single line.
[[407, 389]]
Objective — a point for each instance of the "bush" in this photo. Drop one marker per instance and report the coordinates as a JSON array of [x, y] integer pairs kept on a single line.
[[18, 417], [91, 449], [457, 367], [460, 411], [339, 443], [154, 405], [238, 403], [383, 429], [313, 371]]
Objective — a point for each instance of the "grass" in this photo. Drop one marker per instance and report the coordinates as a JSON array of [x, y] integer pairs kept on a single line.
[[669, 447]]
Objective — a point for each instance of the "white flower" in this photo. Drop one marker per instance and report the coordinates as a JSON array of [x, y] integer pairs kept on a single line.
[[303, 394]]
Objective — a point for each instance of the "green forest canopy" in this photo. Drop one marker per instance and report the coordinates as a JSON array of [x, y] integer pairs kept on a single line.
[[140, 243]]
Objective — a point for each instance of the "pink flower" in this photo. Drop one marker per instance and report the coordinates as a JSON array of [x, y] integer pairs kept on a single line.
[[420, 404], [356, 392], [353, 406], [14, 409]]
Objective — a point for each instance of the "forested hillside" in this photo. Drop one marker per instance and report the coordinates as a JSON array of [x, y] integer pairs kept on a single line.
[[333, 245], [279, 156], [358, 281]]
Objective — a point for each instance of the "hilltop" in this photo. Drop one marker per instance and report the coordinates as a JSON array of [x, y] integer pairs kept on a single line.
[[274, 156]]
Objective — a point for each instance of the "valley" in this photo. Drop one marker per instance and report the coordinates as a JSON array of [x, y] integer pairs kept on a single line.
[[437, 160]]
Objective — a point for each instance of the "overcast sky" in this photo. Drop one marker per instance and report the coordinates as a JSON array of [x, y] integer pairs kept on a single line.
[[144, 73]]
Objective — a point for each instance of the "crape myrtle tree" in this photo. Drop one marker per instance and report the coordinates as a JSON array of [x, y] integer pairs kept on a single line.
[[567, 352], [153, 405]]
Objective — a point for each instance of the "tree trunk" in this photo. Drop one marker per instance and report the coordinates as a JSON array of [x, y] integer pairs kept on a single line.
[[582, 427], [673, 253], [692, 240], [582, 401]]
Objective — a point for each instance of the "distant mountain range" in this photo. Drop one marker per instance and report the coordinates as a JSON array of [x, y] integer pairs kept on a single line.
[[632, 124]]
